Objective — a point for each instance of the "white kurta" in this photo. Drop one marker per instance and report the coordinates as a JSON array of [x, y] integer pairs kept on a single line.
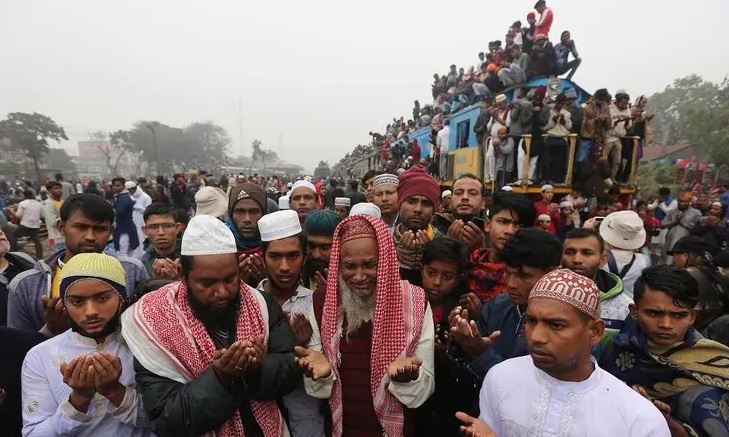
[[46, 410], [411, 394], [141, 202], [518, 399], [305, 418]]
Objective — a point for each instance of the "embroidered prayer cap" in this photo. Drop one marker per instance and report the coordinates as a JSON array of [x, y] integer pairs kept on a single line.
[[342, 201], [623, 230], [211, 201], [354, 228], [247, 190], [571, 288], [128, 185], [364, 208], [97, 266], [303, 184], [385, 179], [283, 202], [279, 225], [321, 222], [207, 235]]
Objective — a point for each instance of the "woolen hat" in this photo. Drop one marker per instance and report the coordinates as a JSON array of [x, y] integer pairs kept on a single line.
[[571, 288], [417, 182], [211, 201], [623, 230], [206, 235], [322, 222], [99, 266], [279, 225], [247, 190]]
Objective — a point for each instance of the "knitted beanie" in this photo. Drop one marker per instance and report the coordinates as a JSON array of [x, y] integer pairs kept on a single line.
[[247, 190], [417, 182], [97, 266]]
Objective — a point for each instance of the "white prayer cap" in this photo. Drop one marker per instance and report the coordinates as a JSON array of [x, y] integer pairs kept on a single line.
[[446, 193], [283, 202], [364, 208], [211, 201], [128, 185], [342, 201], [385, 179], [547, 187], [565, 204], [278, 225], [206, 235], [304, 184], [507, 188], [544, 218]]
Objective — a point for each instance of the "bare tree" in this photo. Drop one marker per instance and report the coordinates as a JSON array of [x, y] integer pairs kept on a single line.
[[113, 147]]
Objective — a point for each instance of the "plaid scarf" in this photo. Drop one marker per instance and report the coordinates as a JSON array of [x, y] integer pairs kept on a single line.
[[396, 326], [164, 326]]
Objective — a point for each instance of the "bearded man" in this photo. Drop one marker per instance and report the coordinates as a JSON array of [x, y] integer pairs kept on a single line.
[[375, 358], [211, 354], [81, 381]]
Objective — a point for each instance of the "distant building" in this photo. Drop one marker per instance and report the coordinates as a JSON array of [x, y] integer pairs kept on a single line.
[[92, 160], [669, 154]]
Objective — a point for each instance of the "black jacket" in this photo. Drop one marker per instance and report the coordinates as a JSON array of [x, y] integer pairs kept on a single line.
[[18, 262], [204, 404]]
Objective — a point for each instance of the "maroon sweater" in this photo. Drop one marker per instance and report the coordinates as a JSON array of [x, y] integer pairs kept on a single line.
[[359, 418]]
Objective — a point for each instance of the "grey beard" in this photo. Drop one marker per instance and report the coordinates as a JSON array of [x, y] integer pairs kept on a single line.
[[357, 309]]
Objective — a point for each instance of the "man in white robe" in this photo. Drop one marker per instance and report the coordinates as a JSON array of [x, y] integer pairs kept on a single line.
[[81, 382], [559, 389], [141, 202]]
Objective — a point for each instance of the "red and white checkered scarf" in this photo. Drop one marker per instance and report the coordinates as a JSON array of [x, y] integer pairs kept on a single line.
[[165, 318], [396, 327]]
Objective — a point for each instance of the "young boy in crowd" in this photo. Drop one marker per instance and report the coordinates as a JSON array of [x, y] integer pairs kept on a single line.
[[445, 268]]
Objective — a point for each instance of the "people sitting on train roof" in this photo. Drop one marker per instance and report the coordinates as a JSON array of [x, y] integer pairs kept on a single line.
[[561, 55], [527, 33], [452, 78], [541, 62], [513, 74], [546, 17], [520, 57]]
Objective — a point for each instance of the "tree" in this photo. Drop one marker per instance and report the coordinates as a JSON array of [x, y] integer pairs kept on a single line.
[[261, 154], [30, 133], [694, 111], [58, 159], [113, 147], [211, 144]]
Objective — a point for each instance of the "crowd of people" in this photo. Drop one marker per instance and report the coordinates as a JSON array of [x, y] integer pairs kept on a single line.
[[285, 306]]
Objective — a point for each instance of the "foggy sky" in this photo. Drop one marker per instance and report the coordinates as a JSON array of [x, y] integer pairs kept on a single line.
[[316, 74]]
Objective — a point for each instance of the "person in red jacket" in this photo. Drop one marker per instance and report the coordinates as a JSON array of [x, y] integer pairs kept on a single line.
[[415, 151], [546, 17], [546, 206]]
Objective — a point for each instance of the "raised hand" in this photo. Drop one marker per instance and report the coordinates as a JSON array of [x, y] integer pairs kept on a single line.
[[466, 334], [301, 328], [472, 303], [314, 364], [405, 369], [231, 363], [79, 375], [55, 314], [473, 427]]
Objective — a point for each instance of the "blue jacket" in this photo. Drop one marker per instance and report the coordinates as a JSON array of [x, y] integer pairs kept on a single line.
[[124, 223], [25, 308], [497, 314]]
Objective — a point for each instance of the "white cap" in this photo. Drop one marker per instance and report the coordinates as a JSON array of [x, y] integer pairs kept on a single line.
[[544, 218], [342, 201], [278, 225], [289, 184], [304, 184], [623, 230], [566, 204], [445, 193], [283, 202], [211, 201], [206, 235], [368, 209], [507, 188], [547, 187], [129, 185], [385, 179]]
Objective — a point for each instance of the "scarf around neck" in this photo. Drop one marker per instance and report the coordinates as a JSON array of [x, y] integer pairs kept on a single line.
[[240, 241]]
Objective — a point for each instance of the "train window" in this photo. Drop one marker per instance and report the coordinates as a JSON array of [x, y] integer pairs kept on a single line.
[[463, 129]]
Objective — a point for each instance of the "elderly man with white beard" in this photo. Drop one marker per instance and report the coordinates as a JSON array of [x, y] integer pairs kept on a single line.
[[375, 359]]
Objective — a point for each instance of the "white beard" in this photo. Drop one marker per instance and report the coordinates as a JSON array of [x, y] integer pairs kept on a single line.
[[357, 309]]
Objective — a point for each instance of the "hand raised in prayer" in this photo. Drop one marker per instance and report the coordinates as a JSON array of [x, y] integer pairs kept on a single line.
[[465, 333], [472, 303], [473, 427], [252, 268], [55, 313], [314, 364], [79, 375], [301, 328], [411, 239], [321, 279], [405, 369], [472, 235], [165, 268], [107, 370], [259, 352], [231, 363], [455, 230], [441, 339]]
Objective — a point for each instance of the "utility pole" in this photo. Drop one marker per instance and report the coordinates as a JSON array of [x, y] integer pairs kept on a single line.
[[151, 126]]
